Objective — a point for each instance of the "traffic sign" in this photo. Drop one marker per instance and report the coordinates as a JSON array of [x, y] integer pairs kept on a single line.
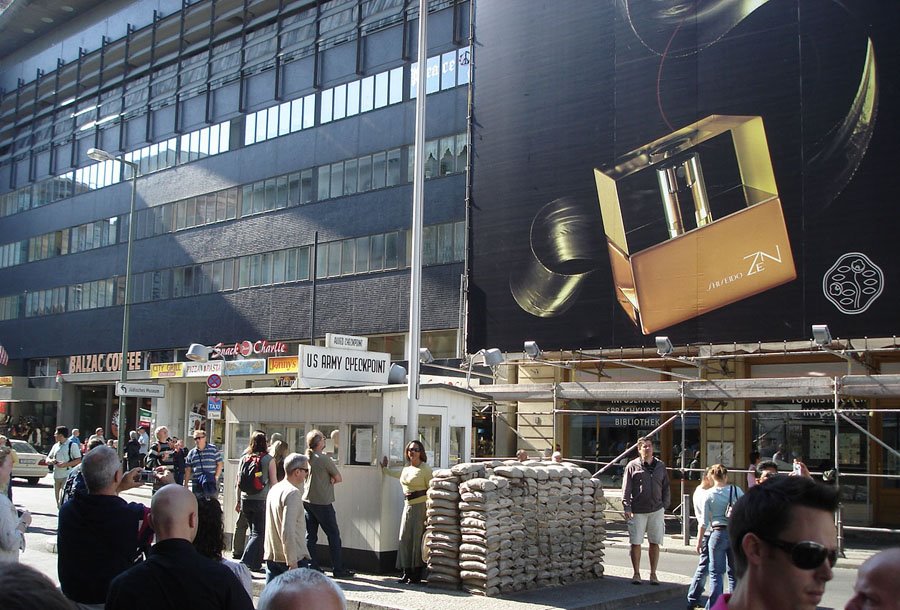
[[214, 381], [214, 407], [141, 389]]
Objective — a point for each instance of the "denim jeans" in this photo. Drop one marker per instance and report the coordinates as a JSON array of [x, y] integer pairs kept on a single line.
[[255, 512], [721, 562], [324, 515], [699, 581]]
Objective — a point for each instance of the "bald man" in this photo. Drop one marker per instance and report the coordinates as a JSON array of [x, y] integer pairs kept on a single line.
[[302, 589], [175, 574], [878, 583]]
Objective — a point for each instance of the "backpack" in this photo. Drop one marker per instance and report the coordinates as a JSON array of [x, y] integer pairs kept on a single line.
[[251, 477], [74, 486]]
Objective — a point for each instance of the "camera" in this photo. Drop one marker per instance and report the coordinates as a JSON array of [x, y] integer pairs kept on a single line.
[[146, 476]]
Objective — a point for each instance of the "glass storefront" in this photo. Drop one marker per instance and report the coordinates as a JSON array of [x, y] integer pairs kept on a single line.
[[785, 431]]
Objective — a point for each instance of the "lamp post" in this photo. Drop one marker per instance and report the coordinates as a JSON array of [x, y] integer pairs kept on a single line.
[[101, 155]]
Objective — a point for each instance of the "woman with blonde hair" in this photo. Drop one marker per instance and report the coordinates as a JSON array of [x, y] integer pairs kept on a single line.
[[716, 514], [279, 450], [699, 502], [12, 526]]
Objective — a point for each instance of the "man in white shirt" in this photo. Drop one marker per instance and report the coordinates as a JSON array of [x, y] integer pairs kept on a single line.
[[285, 540], [64, 455]]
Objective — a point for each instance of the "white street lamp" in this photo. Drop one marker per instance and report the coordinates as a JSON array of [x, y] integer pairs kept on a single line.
[[101, 155]]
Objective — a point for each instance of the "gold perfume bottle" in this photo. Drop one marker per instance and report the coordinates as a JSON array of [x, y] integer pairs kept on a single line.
[[670, 265]]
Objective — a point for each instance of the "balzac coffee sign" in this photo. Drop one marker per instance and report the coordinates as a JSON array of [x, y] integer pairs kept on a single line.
[[105, 363]]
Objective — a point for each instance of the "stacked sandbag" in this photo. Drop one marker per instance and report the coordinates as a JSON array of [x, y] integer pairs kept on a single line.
[[528, 525], [442, 535]]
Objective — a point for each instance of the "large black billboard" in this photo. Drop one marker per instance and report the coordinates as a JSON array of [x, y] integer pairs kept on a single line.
[[714, 171]]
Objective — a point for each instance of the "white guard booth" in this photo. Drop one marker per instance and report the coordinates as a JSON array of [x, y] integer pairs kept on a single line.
[[370, 423]]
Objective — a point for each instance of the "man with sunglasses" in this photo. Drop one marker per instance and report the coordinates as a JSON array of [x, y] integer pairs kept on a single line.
[[285, 541], [785, 545], [203, 466]]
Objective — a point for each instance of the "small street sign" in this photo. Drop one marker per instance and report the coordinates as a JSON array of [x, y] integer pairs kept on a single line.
[[141, 389], [214, 381]]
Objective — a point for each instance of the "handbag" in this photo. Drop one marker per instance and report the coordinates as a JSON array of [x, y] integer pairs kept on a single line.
[[730, 505]]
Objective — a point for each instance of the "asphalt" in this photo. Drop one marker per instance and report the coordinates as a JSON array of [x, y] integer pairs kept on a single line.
[[366, 591]]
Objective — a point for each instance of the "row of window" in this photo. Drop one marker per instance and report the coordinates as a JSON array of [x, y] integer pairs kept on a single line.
[[372, 92], [280, 120], [347, 177], [188, 147], [442, 244]]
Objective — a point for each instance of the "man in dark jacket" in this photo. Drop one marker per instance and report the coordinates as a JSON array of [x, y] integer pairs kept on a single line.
[[645, 495], [100, 535], [175, 575]]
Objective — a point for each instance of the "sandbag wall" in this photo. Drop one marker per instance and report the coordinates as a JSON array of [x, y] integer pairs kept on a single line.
[[499, 527]]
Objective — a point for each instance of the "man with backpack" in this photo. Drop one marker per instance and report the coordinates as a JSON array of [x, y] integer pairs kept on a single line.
[[64, 455], [255, 476], [75, 484]]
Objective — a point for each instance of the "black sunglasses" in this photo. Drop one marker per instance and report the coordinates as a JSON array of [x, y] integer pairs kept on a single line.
[[415, 449], [806, 555]]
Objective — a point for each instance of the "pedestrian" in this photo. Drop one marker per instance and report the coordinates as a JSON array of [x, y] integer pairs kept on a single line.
[[765, 471], [64, 455], [161, 453], [521, 455], [203, 466], [252, 501], [174, 573], [318, 499], [12, 525], [279, 451], [699, 501], [179, 454], [98, 434], [14, 457], [414, 479], [785, 545], [751, 469], [100, 535], [144, 439], [24, 588], [133, 451], [645, 496], [210, 539], [285, 545], [302, 589], [75, 483], [878, 583], [716, 513]]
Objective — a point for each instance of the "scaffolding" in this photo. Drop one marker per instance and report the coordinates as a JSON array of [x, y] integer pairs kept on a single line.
[[837, 391]]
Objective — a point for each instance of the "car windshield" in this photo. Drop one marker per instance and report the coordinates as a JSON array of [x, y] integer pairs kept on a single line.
[[23, 447]]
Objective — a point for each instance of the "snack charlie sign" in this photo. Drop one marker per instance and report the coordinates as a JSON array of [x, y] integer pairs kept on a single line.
[[322, 367]]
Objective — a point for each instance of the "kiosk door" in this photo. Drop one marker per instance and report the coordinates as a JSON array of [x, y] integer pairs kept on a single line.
[[434, 432]]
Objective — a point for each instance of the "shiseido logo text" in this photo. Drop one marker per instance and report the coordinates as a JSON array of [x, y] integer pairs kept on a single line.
[[758, 261]]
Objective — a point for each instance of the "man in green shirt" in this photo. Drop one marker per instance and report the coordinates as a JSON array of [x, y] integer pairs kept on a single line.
[[317, 501]]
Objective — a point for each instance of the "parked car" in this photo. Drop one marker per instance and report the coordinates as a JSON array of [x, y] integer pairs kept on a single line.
[[32, 464]]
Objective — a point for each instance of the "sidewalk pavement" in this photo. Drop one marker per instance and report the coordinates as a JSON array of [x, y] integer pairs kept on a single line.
[[367, 592]]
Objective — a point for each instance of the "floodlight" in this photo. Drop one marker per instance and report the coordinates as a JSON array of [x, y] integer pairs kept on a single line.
[[397, 374], [493, 357], [533, 350], [425, 356], [821, 334], [664, 346]]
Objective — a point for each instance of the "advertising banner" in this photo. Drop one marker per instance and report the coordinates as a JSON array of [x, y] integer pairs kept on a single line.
[[717, 175]]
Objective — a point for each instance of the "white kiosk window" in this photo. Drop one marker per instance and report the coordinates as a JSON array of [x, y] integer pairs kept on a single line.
[[430, 435], [239, 441], [395, 448], [363, 449], [333, 442], [457, 445]]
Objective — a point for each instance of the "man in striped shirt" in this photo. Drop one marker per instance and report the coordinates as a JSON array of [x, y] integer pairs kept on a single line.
[[203, 466]]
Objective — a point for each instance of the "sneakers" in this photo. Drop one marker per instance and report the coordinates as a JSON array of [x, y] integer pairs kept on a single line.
[[344, 574]]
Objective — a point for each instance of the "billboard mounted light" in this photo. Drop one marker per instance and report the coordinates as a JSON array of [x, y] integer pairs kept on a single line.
[[533, 350], [198, 352], [822, 334], [664, 346]]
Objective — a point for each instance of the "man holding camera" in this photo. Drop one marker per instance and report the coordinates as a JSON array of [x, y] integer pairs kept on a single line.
[[101, 535]]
